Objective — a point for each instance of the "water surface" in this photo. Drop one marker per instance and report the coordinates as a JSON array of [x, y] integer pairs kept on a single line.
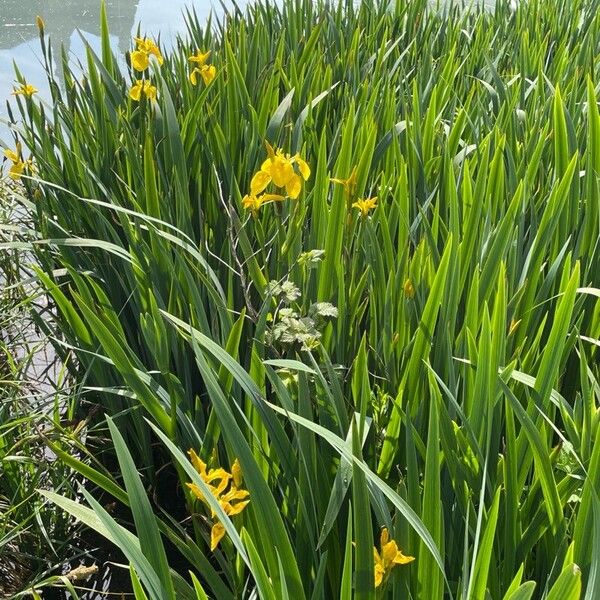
[[19, 42]]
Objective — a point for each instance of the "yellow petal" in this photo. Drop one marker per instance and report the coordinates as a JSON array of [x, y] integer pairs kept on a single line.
[[12, 155], [216, 474], [143, 44], [150, 92], [389, 552], [135, 92], [294, 186], [401, 559], [385, 537], [376, 558], [219, 475], [148, 46], [259, 182], [349, 184], [303, 168], [208, 72], [157, 54], [351, 181], [194, 77], [281, 171], [271, 198], [251, 202], [236, 473], [379, 573], [200, 57], [237, 508], [196, 491], [16, 170], [26, 89], [139, 60], [197, 462], [270, 151], [235, 494], [216, 534]]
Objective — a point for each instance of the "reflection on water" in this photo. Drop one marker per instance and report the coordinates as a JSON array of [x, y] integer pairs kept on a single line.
[[19, 41]]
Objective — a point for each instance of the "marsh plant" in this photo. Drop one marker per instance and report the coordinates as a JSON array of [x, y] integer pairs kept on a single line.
[[346, 255], [36, 404]]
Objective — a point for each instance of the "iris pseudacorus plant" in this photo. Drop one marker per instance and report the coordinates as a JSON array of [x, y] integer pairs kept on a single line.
[[387, 558], [25, 89], [283, 170], [142, 87], [145, 48], [19, 165], [225, 487], [206, 71]]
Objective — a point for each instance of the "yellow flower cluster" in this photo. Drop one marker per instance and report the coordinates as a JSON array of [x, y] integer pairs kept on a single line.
[[206, 71], [145, 48], [19, 165], [25, 89], [225, 487], [283, 171], [364, 205], [387, 558], [140, 61]]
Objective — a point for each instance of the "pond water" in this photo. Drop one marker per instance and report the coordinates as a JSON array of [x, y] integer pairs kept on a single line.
[[19, 42]]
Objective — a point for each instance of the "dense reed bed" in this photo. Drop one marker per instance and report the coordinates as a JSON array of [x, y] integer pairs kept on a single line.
[[350, 259]]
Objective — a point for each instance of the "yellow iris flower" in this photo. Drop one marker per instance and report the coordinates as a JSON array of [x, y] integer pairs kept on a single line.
[[26, 89], [253, 202], [387, 558], [365, 205], [145, 47], [207, 72], [140, 60], [19, 165], [349, 183], [279, 169], [199, 58], [142, 87], [225, 487]]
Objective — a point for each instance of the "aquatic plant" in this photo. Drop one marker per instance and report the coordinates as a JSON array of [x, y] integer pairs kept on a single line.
[[409, 342]]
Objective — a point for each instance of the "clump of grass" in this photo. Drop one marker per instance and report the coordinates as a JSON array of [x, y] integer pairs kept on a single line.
[[403, 338]]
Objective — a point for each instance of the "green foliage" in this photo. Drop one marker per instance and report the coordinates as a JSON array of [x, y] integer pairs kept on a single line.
[[35, 406], [429, 366]]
